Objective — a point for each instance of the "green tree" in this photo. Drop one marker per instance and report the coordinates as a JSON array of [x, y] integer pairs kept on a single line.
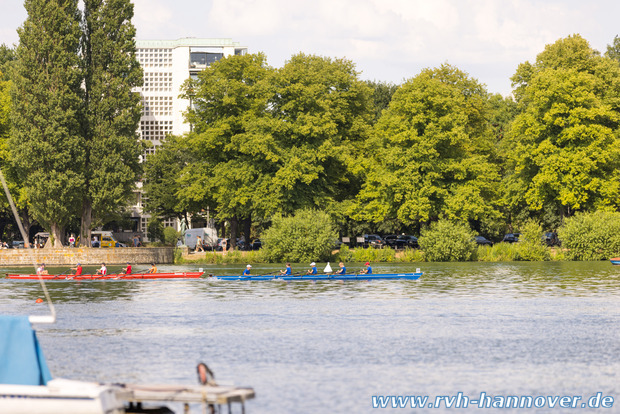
[[7, 56], [566, 152], [382, 93], [229, 156], [322, 114], [162, 171], [5, 109], [306, 236], [112, 110], [430, 153], [613, 50], [47, 142], [268, 141]]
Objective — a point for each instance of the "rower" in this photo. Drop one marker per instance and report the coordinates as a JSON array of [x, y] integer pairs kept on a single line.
[[153, 268], [102, 270], [368, 270], [312, 270], [342, 270], [78, 270], [246, 272], [42, 270], [127, 269], [288, 271]]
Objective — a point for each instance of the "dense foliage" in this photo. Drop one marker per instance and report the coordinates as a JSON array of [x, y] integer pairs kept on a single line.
[[566, 151], [447, 241], [309, 235], [430, 153], [591, 236]]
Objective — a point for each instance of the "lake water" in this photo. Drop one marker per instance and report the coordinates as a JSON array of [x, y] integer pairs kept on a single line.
[[514, 329]]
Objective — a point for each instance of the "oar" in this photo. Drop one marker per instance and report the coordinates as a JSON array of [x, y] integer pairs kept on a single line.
[[62, 274]]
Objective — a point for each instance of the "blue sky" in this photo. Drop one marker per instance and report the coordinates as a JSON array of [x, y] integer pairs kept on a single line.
[[389, 40]]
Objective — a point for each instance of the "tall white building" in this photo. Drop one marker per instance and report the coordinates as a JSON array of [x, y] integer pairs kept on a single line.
[[167, 64]]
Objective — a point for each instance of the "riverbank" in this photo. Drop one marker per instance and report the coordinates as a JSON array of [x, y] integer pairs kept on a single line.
[[87, 256], [500, 252]]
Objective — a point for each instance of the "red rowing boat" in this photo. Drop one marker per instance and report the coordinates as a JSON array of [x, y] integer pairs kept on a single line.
[[116, 276]]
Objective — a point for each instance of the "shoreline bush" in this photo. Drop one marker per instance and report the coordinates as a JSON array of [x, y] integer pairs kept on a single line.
[[446, 241], [591, 236]]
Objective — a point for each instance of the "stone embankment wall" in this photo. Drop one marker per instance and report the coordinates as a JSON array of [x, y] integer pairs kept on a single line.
[[87, 256]]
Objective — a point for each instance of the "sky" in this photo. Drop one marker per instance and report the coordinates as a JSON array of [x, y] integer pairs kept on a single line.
[[388, 40]]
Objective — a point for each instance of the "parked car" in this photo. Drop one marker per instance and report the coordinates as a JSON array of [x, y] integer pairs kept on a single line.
[[373, 240], [401, 241], [395, 242], [551, 239], [511, 237], [15, 244], [412, 241], [257, 244], [482, 241]]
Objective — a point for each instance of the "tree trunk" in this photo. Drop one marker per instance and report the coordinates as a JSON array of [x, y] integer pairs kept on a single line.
[[247, 228], [58, 233], [87, 219], [234, 231]]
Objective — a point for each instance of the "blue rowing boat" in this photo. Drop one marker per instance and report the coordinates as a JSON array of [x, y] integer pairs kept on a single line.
[[287, 278]]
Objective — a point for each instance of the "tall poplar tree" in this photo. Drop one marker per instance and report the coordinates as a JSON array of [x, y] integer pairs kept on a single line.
[[112, 110], [47, 141]]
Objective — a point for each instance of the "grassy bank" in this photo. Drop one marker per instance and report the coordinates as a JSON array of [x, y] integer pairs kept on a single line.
[[500, 252]]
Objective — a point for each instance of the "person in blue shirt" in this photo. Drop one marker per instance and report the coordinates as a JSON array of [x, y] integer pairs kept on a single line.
[[312, 270], [342, 270], [246, 272], [288, 271], [368, 270]]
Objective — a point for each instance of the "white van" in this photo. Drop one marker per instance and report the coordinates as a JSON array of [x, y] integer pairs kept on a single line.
[[207, 234]]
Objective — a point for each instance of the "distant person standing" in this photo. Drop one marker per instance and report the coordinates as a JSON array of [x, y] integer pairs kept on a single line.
[[199, 244], [136, 241], [72, 240]]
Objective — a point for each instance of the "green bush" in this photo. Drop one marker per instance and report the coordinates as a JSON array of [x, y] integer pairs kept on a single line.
[[411, 255], [531, 245], [170, 236], [374, 255], [155, 229], [309, 235], [231, 257], [499, 252], [446, 241], [591, 236]]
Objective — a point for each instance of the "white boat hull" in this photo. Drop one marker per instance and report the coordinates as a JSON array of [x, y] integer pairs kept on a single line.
[[61, 396]]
